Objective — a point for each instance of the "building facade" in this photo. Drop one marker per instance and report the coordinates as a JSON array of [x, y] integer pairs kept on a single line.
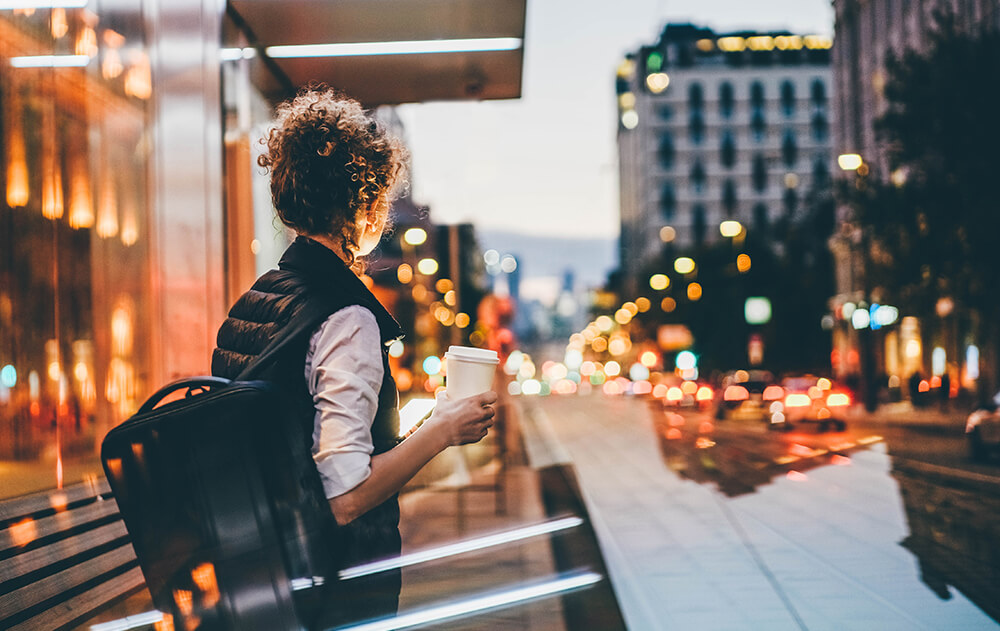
[[133, 209], [715, 127]]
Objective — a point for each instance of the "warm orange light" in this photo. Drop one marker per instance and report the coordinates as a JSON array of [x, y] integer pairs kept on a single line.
[[599, 345], [138, 80], [641, 387], [643, 304], [704, 394], [58, 23], [814, 392], [165, 624], [694, 291], [823, 383], [52, 191], [23, 532], [675, 394], [668, 304], [684, 265], [773, 393], [743, 263], [17, 165], [935, 381], [659, 281], [660, 391], [444, 285], [735, 393], [81, 206], [107, 208], [404, 273], [86, 42], [185, 601], [204, 577], [924, 386], [673, 433], [648, 359], [462, 320]]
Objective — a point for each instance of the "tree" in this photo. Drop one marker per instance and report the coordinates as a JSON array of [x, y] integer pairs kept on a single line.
[[933, 226]]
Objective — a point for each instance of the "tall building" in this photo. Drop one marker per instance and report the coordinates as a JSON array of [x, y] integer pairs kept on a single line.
[[714, 127], [867, 33]]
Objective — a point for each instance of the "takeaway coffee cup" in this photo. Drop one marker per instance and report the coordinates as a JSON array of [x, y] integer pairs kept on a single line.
[[470, 371]]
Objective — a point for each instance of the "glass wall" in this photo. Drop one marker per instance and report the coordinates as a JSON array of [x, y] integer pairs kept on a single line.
[[76, 304]]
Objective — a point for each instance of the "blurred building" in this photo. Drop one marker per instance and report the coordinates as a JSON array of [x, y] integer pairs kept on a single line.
[[714, 127], [134, 211], [867, 32]]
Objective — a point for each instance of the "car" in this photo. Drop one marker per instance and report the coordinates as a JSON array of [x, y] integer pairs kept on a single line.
[[747, 395], [814, 400], [982, 430]]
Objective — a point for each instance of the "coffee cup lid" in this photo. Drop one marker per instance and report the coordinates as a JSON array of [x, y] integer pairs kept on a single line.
[[470, 353]]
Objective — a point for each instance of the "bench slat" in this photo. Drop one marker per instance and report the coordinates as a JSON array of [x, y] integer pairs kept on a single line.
[[60, 551], [79, 516], [77, 610], [57, 584], [20, 507]]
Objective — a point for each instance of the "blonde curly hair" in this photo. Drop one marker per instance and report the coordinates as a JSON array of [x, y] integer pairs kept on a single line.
[[330, 161]]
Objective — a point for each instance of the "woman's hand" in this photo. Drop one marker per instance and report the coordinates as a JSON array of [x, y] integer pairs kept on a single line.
[[465, 420]]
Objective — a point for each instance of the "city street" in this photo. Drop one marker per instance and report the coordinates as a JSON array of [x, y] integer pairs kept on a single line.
[[725, 524]]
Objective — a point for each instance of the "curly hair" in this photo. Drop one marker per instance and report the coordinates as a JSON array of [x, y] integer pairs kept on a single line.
[[330, 160]]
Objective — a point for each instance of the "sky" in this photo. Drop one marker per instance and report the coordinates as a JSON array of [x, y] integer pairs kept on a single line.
[[546, 164]]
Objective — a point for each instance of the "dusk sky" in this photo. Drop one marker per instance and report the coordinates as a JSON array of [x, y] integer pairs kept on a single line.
[[547, 163]]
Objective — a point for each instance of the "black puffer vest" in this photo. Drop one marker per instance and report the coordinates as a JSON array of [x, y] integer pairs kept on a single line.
[[311, 273]]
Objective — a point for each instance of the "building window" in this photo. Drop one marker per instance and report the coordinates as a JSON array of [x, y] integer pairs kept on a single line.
[[668, 202], [760, 219], [757, 95], [726, 100], [758, 126], [667, 152], [759, 173], [820, 127], [817, 92], [790, 200], [699, 225], [788, 98], [821, 173], [729, 197], [727, 150], [697, 128], [698, 177], [696, 97], [789, 149]]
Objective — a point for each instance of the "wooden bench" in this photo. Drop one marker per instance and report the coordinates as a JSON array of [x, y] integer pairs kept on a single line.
[[64, 557]]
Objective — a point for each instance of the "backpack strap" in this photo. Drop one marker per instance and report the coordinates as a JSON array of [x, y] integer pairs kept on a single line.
[[311, 315]]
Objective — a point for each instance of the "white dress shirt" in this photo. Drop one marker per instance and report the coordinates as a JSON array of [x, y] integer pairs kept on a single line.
[[344, 372]]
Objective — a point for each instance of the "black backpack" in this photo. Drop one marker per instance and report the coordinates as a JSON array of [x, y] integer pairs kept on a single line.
[[223, 502]]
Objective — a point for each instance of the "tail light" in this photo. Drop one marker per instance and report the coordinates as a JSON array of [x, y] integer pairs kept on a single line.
[[773, 393], [674, 394], [736, 393], [838, 399], [704, 394], [797, 401]]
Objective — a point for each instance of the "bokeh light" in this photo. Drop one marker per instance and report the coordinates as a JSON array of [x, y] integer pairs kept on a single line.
[[667, 234], [684, 265], [427, 266], [743, 263], [668, 304], [415, 236], [694, 291], [730, 228], [659, 281]]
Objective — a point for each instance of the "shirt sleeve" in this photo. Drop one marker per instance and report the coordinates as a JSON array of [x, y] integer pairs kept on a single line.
[[344, 373]]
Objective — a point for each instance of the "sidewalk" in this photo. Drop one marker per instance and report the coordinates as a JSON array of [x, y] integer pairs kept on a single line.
[[903, 413]]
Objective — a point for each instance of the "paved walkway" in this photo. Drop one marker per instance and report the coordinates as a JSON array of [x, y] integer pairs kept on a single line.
[[816, 551]]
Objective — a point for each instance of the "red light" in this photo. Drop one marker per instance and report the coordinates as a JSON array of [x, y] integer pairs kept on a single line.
[[837, 399], [736, 393], [935, 381], [924, 386], [773, 393]]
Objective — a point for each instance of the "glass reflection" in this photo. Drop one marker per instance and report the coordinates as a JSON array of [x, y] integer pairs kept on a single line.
[[75, 290]]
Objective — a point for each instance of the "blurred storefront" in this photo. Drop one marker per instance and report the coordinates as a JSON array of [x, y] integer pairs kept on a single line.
[[133, 211]]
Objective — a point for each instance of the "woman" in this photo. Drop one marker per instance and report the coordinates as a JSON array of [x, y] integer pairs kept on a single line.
[[334, 170]]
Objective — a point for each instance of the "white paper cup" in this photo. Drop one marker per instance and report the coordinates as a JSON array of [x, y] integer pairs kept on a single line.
[[470, 371]]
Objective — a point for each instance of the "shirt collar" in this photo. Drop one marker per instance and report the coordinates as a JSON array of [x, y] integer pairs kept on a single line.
[[322, 268]]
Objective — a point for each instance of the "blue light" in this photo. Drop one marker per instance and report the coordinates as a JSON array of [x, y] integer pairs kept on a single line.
[[432, 365], [8, 376]]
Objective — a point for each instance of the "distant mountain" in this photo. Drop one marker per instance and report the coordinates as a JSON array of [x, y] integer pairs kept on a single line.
[[590, 259]]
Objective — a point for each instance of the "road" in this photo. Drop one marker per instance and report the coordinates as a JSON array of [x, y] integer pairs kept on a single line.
[[727, 525]]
